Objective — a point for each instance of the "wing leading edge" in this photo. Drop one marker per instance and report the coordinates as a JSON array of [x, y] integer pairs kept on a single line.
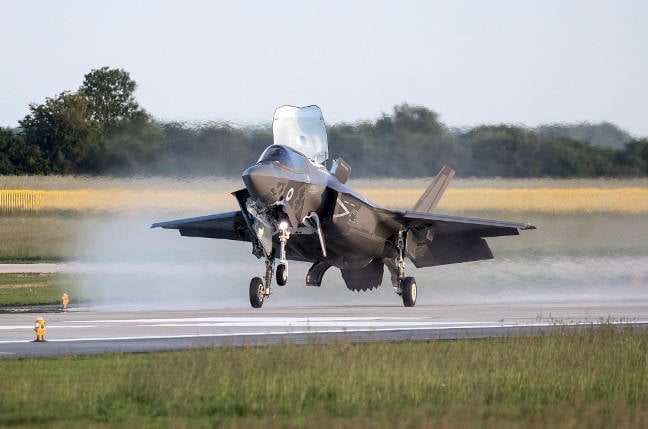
[[447, 224], [229, 226], [434, 239]]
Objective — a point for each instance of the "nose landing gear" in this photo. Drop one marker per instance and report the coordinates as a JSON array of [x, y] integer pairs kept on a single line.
[[257, 292], [260, 289], [263, 225], [282, 274]]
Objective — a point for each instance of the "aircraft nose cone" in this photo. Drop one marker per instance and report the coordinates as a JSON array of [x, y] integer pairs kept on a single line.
[[259, 179]]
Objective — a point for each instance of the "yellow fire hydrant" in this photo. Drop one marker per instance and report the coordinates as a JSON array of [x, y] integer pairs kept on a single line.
[[39, 328], [65, 300]]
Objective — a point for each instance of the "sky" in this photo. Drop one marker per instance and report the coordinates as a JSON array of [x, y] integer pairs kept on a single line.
[[473, 62]]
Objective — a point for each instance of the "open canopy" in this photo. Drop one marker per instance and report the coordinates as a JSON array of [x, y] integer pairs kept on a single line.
[[303, 129]]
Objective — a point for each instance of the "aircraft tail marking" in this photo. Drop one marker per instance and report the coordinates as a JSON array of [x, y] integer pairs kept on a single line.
[[434, 191]]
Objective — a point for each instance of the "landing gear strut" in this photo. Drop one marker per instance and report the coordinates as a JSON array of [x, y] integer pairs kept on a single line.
[[282, 267], [406, 286]]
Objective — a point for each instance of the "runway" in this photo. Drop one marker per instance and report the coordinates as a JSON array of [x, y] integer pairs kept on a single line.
[[95, 330]]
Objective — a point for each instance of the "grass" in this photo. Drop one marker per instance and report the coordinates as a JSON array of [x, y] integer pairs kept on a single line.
[[32, 237], [35, 288], [595, 378]]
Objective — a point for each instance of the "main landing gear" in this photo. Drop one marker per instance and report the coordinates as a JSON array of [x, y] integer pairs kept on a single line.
[[408, 291], [406, 286]]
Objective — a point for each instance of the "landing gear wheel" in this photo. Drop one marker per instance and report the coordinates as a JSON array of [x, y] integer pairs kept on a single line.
[[282, 274], [408, 291], [257, 292]]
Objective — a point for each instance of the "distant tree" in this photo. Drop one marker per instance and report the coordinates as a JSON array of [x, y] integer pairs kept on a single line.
[[603, 134], [102, 130], [110, 97], [417, 119], [133, 147], [17, 156], [419, 137], [67, 136], [9, 143], [635, 157]]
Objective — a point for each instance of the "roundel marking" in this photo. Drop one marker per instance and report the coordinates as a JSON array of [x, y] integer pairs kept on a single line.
[[290, 193]]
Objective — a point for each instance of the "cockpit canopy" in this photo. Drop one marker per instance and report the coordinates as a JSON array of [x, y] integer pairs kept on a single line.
[[303, 129], [284, 156]]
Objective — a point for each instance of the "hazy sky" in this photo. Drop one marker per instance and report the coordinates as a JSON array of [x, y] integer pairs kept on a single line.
[[473, 62]]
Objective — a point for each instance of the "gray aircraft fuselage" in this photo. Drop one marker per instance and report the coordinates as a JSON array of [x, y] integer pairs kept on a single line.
[[355, 229]]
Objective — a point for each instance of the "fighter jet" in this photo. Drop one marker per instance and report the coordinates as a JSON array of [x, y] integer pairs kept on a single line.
[[293, 209]]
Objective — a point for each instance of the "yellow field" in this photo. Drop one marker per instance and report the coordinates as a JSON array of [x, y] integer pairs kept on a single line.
[[111, 200], [586, 200], [559, 200]]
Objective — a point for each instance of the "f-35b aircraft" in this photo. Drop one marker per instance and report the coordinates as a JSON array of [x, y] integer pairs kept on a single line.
[[293, 208]]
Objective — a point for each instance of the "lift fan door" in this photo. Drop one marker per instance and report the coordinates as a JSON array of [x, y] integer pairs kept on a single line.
[[303, 129]]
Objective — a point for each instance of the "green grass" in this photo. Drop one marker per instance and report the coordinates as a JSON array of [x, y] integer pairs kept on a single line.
[[35, 288], [596, 378], [37, 238]]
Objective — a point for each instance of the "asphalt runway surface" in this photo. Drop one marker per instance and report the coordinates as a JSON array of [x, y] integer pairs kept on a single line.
[[143, 305], [94, 330]]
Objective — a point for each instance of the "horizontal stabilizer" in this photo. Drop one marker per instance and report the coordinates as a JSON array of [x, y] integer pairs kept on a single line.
[[434, 239], [434, 191], [449, 249]]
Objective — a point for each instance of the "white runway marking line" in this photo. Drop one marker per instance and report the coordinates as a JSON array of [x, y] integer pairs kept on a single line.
[[331, 331], [38, 268], [244, 319], [237, 334], [9, 328], [309, 322], [287, 322]]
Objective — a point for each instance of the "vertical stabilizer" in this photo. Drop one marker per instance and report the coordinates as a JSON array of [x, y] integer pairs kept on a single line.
[[434, 191]]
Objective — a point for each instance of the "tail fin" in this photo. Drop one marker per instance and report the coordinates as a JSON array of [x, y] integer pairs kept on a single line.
[[434, 191]]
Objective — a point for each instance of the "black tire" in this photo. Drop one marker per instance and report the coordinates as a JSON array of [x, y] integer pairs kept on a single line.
[[408, 291], [282, 274], [257, 292]]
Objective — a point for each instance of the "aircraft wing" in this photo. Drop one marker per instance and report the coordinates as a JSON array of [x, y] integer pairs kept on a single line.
[[229, 226], [447, 224], [434, 239]]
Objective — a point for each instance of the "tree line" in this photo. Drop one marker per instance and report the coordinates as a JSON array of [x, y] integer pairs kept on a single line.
[[100, 129]]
